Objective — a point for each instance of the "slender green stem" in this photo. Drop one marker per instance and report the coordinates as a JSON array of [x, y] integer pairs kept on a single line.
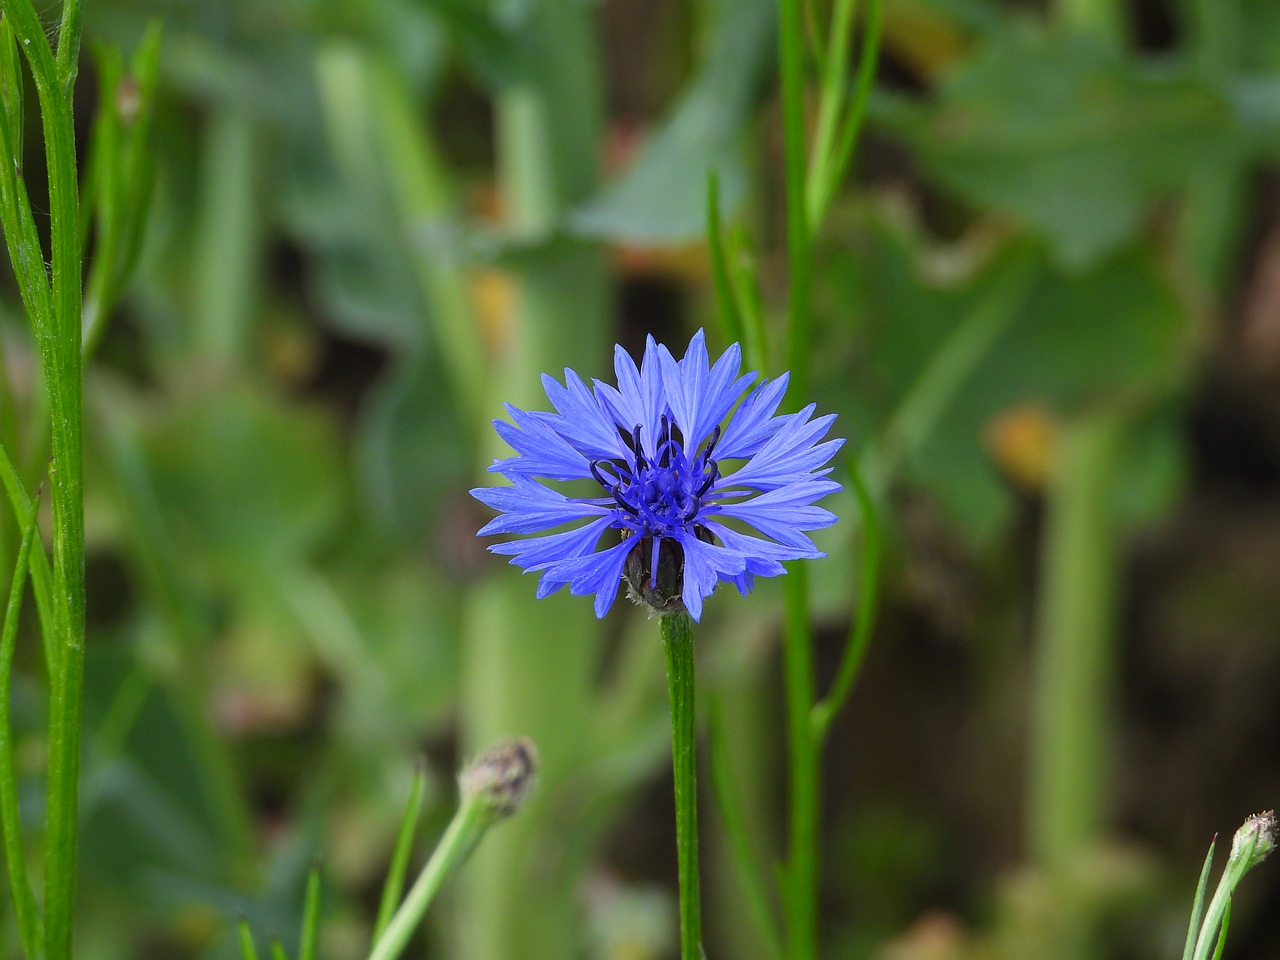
[[822, 188], [726, 306], [464, 832], [58, 336], [29, 927], [677, 643], [799, 252], [736, 831], [835, 69], [394, 885], [868, 596], [801, 893]]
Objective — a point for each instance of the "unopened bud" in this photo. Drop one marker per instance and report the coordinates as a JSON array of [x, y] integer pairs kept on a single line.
[[1255, 839], [501, 778]]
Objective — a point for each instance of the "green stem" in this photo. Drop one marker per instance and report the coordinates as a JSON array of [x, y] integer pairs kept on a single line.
[[801, 894], [464, 832], [529, 665], [677, 643], [799, 252], [835, 70], [58, 335], [29, 928], [1075, 650]]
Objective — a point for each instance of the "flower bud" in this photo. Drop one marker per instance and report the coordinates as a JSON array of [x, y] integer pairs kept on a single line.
[[501, 778], [1255, 839]]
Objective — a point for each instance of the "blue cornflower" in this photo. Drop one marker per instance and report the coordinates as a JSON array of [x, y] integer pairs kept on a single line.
[[675, 463]]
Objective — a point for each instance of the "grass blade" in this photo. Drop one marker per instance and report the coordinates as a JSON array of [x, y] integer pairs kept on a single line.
[[247, 950], [726, 306], [1197, 907], [394, 887], [311, 915]]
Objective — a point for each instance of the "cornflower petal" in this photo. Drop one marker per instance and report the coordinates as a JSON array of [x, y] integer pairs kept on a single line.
[[537, 553], [582, 420], [542, 451], [527, 507], [752, 424], [788, 456]]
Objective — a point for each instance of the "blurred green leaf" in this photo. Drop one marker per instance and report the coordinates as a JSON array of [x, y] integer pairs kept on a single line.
[[411, 455], [662, 197], [253, 482], [1068, 136], [1116, 328]]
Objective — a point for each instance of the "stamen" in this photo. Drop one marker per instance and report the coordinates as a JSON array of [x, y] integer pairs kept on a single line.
[[711, 478]]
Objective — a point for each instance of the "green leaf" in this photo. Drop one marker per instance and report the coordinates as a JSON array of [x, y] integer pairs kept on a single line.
[[662, 197], [251, 481], [1068, 136]]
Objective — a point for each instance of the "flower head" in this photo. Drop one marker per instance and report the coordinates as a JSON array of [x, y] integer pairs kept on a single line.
[[703, 488]]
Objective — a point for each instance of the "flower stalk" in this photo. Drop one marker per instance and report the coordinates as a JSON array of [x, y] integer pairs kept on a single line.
[[492, 788], [677, 644]]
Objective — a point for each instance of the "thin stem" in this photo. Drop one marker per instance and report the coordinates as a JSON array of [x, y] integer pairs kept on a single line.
[[464, 832], [799, 252], [677, 643], [58, 335], [726, 306], [868, 596], [821, 190], [835, 70], [739, 837], [801, 894], [394, 885], [29, 928]]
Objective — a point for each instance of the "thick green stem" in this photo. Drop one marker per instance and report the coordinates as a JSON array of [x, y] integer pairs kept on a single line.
[[1074, 669], [1075, 655], [529, 665], [677, 644]]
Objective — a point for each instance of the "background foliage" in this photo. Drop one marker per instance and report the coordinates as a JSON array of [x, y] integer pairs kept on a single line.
[[1046, 308]]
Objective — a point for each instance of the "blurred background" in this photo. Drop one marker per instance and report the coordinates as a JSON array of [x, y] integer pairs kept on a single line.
[[1047, 312]]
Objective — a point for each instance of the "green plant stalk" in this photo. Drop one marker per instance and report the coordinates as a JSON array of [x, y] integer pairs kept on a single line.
[[1245, 855], [58, 336], [800, 897], [801, 874], [835, 70], [726, 306], [29, 926], [764, 937], [868, 597], [228, 235], [394, 885], [460, 838], [1074, 659], [799, 251], [529, 666], [1197, 904], [41, 573], [677, 645]]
